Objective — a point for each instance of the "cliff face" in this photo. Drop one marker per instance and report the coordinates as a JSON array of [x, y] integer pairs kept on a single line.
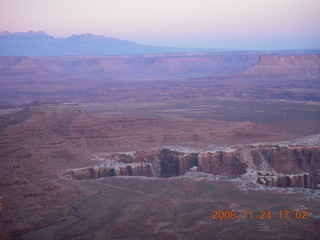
[[275, 166], [285, 66], [245, 75], [302, 180], [129, 67], [139, 67], [222, 163], [292, 159], [109, 170], [173, 163]]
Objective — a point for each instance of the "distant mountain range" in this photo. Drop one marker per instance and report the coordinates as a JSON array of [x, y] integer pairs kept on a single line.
[[41, 44]]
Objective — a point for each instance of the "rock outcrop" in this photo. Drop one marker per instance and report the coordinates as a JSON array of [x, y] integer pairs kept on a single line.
[[161, 66], [131, 67], [295, 166], [244, 75], [110, 169], [302, 180], [226, 163], [293, 66]]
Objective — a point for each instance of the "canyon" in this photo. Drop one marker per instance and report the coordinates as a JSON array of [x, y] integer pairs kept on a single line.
[[148, 146], [92, 161], [163, 77], [276, 166]]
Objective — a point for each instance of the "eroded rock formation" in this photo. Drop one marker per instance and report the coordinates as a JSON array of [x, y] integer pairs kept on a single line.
[[294, 66], [295, 166], [244, 75], [302, 180], [111, 169]]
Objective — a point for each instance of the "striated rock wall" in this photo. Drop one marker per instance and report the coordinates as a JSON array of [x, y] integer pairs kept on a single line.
[[222, 163], [173, 163], [288, 159], [302, 180], [297, 166], [109, 170], [293, 66]]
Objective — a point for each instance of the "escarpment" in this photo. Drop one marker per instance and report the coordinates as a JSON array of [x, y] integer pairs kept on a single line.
[[156, 66], [294, 166], [110, 169], [302, 180], [293, 66], [165, 66], [222, 163]]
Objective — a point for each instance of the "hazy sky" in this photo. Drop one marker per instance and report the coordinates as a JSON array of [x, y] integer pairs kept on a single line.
[[237, 24]]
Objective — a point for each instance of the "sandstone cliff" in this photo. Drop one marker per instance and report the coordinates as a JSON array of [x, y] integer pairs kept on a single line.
[[297, 166], [110, 169], [129, 67], [245, 75], [302, 180], [293, 66], [139, 67]]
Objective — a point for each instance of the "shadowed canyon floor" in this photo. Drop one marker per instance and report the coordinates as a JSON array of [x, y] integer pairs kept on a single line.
[[247, 121]]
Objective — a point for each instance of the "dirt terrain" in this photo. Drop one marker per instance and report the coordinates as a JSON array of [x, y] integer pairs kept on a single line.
[[105, 147], [159, 78]]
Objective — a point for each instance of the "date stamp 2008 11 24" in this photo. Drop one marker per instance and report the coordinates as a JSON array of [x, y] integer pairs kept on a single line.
[[285, 214]]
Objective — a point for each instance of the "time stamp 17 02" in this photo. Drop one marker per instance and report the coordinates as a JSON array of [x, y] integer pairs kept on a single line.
[[284, 214]]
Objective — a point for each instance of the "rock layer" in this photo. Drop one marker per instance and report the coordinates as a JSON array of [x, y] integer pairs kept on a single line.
[[245, 75], [111, 169], [129, 67], [295, 167], [285, 66], [302, 180]]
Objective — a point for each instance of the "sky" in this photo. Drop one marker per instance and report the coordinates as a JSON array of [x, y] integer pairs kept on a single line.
[[227, 24]]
